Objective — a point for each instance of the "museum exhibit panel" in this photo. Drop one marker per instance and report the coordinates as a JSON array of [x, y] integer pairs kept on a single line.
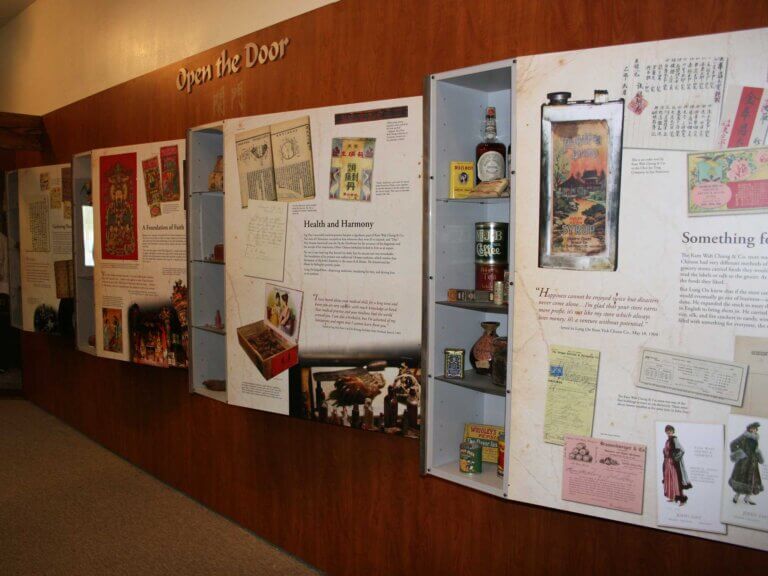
[[205, 250], [322, 240], [82, 252], [540, 277], [45, 249], [140, 254]]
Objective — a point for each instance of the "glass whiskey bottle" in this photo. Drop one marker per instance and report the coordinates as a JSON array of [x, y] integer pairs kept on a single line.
[[490, 154]]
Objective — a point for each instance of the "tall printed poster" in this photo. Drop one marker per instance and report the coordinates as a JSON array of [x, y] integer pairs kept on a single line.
[[324, 285], [140, 272], [117, 199]]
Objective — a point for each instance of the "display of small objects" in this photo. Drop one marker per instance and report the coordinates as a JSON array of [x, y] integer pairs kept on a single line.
[[266, 343], [609, 461], [218, 254], [469, 295], [216, 178], [215, 385], [491, 189], [581, 452]]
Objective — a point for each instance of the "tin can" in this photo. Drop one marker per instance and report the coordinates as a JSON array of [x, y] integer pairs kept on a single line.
[[471, 458], [498, 292], [491, 253], [454, 363], [500, 464]]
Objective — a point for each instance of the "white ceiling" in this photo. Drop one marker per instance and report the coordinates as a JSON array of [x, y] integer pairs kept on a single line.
[[10, 8]]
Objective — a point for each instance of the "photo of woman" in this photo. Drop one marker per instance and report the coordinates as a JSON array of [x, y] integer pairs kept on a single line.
[[674, 477], [745, 453]]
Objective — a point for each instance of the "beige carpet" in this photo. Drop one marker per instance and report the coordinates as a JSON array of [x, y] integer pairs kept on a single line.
[[68, 506]]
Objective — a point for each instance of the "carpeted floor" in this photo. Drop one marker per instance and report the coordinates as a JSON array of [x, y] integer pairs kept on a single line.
[[68, 506]]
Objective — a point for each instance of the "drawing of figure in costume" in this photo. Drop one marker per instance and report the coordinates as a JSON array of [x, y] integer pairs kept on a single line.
[[745, 453], [675, 477]]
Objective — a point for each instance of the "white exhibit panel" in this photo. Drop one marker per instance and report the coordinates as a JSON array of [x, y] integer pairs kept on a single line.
[[458, 101], [205, 217], [45, 249], [14, 260], [140, 254], [82, 252], [323, 273], [627, 369]]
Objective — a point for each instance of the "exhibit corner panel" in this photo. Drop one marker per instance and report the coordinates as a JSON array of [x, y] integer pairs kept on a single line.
[[323, 263], [689, 278], [140, 254], [45, 236]]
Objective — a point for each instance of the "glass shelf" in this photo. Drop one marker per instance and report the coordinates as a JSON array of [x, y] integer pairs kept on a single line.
[[479, 306], [218, 262], [213, 329], [475, 381], [210, 192]]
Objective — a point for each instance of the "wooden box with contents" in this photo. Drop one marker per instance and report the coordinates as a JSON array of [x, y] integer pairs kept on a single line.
[[272, 343]]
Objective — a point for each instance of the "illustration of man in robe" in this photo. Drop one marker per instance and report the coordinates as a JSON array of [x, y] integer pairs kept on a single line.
[[675, 477], [745, 453]]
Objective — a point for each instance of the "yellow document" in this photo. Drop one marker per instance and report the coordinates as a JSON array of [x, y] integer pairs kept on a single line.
[[571, 387]]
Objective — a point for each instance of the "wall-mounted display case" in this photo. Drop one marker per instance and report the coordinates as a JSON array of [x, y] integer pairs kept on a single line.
[[205, 249], [458, 101], [82, 252]]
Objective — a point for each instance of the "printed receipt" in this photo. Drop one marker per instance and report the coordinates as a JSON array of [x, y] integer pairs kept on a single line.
[[571, 389], [604, 473], [693, 376]]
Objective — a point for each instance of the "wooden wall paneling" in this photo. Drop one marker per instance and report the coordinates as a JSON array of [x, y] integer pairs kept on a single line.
[[347, 501], [21, 132]]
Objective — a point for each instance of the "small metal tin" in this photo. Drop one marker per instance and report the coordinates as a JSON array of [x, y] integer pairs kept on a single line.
[[471, 458], [454, 362], [498, 292]]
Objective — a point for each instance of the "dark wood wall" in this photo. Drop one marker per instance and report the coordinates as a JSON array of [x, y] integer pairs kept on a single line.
[[346, 501]]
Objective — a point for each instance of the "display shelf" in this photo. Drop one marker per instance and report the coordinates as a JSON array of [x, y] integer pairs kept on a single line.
[[474, 381], [210, 192], [457, 102], [486, 481], [480, 306], [213, 329], [14, 255], [205, 216], [208, 261], [82, 253], [491, 200]]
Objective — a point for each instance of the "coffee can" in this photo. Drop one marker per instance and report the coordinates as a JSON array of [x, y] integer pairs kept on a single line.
[[491, 253]]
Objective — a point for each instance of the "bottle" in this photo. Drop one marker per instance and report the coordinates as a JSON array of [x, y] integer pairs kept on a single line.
[[490, 154]]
